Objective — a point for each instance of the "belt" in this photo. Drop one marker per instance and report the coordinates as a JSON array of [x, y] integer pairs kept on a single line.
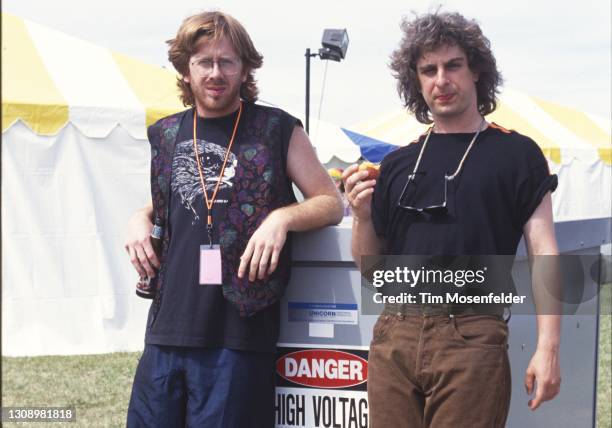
[[442, 309]]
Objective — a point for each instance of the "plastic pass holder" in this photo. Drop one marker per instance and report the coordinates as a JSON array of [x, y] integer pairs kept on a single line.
[[210, 265]]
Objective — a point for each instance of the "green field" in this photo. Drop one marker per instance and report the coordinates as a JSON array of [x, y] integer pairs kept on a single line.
[[99, 385]]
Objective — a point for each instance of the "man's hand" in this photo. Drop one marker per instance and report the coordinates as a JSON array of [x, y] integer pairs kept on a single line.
[[321, 206], [358, 192], [263, 250], [544, 370], [138, 244]]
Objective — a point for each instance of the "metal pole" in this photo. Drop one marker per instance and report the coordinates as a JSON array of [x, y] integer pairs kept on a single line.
[[307, 90]]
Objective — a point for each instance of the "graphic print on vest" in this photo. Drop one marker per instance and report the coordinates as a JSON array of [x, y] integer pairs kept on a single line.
[[186, 178]]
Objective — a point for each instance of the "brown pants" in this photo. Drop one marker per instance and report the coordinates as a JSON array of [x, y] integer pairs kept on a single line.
[[439, 371]]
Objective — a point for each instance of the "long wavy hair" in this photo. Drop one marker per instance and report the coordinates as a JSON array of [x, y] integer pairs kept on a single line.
[[427, 33], [208, 27]]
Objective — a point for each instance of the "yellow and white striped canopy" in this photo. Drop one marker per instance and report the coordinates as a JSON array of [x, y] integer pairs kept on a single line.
[[50, 79], [563, 133]]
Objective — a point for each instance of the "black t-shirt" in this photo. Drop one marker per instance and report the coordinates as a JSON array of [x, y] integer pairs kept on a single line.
[[503, 180], [192, 314]]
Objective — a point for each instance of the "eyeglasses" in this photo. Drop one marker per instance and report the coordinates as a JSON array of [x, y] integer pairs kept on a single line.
[[410, 190], [411, 185], [227, 66]]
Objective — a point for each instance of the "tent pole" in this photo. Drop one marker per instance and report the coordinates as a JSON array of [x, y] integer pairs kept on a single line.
[[307, 90]]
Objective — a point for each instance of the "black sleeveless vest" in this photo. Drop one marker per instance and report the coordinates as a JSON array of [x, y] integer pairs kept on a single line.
[[261, 185]]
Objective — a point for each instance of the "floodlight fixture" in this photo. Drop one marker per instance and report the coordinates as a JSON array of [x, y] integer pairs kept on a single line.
[[334, 46], [335, 43]]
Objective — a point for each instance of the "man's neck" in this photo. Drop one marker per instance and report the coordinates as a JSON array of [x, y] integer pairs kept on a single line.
[[464, 124], [211, 114]]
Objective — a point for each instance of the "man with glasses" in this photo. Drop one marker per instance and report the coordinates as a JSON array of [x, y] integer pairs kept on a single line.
[[222, 209], [465, 187]]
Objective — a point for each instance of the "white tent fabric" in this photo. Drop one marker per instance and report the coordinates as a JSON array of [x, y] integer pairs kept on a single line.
[[68, 286], [570, 145], [98, 95], [329, 140], [50, 79], [75, 166]]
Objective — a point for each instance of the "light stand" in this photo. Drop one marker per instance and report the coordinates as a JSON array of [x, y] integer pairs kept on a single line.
[[335, 43]]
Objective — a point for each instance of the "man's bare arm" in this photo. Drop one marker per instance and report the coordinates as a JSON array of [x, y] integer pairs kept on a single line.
[[544, 366], [322, 206]]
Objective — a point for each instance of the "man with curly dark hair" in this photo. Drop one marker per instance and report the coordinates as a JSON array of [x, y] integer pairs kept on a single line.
[[425, 35], [222, 214], [466, 187]]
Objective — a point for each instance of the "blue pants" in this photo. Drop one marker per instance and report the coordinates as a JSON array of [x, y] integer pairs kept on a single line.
[[198, 387]]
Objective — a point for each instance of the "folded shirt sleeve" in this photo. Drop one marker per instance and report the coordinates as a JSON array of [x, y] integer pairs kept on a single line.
[[534, 181]]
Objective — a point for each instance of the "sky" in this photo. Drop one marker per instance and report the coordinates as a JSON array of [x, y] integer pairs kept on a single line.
[[557, 51]]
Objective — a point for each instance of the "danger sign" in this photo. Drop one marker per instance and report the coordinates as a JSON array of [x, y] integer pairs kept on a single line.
[[319, 387], [323, 368]]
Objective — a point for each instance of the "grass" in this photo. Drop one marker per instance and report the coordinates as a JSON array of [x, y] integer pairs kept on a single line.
[[604, 387], [99, 386]]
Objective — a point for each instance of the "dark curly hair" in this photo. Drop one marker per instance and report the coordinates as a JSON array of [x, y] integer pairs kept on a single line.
[[206, 27], [428, 32]]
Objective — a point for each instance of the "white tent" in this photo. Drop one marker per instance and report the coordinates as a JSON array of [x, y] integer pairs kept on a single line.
[[75, 165]]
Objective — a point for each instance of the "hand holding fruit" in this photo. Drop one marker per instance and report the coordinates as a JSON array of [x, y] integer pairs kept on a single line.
[[372, 168], [359, 182]]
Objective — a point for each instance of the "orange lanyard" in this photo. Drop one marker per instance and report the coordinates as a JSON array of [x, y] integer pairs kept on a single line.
[[210, 201]]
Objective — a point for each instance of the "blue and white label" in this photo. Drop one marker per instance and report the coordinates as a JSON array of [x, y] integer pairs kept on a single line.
[[331, 313]]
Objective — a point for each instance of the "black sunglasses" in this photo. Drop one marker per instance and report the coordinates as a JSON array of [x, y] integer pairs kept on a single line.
[[435, 209]]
